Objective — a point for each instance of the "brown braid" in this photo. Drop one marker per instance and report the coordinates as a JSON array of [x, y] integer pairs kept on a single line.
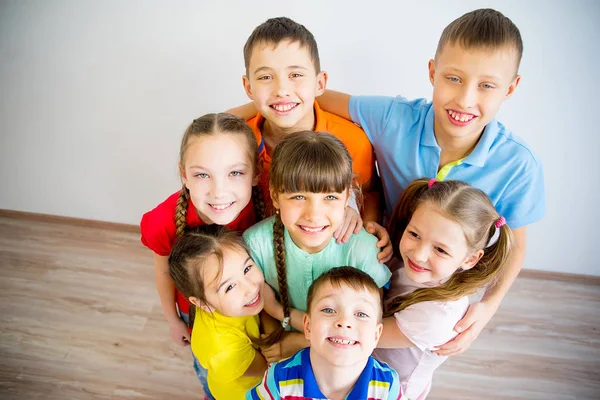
[[279, 250], [181, 211], [259, 203]]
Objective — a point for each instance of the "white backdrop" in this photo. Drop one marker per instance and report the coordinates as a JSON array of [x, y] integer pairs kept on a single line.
[[95, 95]]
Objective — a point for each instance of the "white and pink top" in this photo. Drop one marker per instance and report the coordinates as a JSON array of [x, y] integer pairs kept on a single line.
[[427, 325]]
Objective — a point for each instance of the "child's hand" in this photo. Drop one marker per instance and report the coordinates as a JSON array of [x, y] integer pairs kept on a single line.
[[179, 332], [352, 224], [271, 305], [470, 326], [289, 345], [384, 243]]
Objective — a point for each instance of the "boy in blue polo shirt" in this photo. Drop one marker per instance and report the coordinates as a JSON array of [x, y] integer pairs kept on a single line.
[[343, 325], [457, 137]]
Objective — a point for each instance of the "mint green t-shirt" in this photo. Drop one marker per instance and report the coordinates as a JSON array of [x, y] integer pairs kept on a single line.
[[303, 268]]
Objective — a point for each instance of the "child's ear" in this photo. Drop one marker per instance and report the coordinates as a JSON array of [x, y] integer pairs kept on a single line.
[[201, 305], [513, 86], [183, 174], [274, 199], [247, 87], [306, 322], [258, 172], [472, 260], [431, 67], [321, 82], [378, 332]]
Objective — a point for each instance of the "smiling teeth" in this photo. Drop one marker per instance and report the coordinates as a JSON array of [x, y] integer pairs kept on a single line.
[[340, 341], [460, 117], [221, 206], [283, 107], [312, 230], [253, 300]]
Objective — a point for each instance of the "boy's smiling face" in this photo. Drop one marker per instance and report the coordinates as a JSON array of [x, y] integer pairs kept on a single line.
[[283, 84], [469, 86]]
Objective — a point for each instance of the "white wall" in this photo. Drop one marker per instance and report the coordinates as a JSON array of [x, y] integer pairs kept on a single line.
[[95, 95]]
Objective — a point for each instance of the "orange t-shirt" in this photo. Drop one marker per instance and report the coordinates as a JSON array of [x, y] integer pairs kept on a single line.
[[353, 137]]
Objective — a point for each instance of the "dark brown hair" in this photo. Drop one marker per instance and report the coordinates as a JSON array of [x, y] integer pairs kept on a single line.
[[304, 161], [482, 29], [211, 125], [276, 30], [473, 210], [348, 276], [190, 254]]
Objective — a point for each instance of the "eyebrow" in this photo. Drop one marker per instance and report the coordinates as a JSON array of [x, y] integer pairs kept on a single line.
[[233, 166], [228, 279], [265, 68]]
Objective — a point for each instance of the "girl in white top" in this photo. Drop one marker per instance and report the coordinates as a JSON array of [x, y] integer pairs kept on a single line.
[[448, 242]]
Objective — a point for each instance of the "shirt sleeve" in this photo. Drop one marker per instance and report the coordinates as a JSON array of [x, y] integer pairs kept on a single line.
[[363, 252], [156, 233], [231, 358], [395, 391], [371, 113], [525, 201], [255, 244], [431, 323], [267, 389]]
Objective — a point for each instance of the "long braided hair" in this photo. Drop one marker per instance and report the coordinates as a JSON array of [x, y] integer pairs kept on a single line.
[[473, 210], [304, 161], [217, 124]]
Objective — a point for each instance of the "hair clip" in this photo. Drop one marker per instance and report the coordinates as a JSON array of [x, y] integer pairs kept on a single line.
[[286, 322], [431, 182]]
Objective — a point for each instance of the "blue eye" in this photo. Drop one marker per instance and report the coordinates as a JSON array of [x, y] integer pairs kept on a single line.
[[201, 175], [331, 197], [453, 79], [487, 86], [361, 314], [328, 310], [299, 197]]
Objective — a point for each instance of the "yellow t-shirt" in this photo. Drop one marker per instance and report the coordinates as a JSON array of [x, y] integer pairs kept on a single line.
[[222, 345]]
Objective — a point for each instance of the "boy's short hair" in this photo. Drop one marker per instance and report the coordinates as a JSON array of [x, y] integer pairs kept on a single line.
[[276, 30], [483, 28], [349, 276]]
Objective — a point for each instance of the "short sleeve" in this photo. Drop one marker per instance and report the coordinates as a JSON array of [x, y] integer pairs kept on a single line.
[[395, 391], [256, 244], [431, 323], [267, 389], [156, 233], [363, 250], [231, 358], [524, 202], [371, 113]]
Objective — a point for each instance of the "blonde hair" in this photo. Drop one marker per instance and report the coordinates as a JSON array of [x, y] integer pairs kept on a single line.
[[304, 161], [473, 210], [211, 125]]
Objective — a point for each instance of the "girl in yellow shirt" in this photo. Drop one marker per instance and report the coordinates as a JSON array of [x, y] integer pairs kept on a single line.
[[211, 266]]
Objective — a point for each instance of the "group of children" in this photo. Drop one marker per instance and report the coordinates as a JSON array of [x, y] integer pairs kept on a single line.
[[302, 305]]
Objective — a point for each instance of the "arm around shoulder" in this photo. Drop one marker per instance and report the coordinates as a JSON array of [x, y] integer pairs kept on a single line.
[[337, 103]]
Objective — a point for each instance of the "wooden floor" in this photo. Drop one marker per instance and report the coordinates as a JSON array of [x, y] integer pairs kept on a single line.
[[80, 319]]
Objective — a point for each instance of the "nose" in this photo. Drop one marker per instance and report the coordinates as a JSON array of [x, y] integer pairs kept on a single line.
[[343, 321], [217, 188], [282, 87], [467, 97], [312, 209], [420, 253]]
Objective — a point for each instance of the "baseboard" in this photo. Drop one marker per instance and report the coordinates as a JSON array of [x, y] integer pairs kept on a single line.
[[525, 273], [90, 223]]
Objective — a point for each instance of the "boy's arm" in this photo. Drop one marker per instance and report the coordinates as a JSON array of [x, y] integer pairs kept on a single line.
[[479, 314], [246, 111], [336, 103]]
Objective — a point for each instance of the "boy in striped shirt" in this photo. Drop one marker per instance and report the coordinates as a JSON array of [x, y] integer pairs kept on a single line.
[[343, 325]]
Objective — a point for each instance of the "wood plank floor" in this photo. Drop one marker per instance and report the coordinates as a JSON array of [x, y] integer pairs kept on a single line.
[[80, 319]]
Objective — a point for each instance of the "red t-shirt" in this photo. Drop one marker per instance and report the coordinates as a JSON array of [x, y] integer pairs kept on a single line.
[[158, 231]]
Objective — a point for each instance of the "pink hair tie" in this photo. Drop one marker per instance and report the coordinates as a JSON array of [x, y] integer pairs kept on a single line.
[[431, 182], [501, 221]]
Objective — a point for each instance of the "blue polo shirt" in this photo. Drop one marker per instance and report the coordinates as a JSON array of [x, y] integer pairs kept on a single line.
[[293, 379], [501, 164]]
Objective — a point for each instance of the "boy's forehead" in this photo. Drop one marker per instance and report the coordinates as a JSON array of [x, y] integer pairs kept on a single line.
[[327, 290], [498, 62], [268, 54]]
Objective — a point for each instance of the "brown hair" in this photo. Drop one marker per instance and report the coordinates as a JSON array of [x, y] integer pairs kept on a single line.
[[473, 210], [210, 125], [349, 276], [276, 30], [190, 254], [484, 28], [304, 161]]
